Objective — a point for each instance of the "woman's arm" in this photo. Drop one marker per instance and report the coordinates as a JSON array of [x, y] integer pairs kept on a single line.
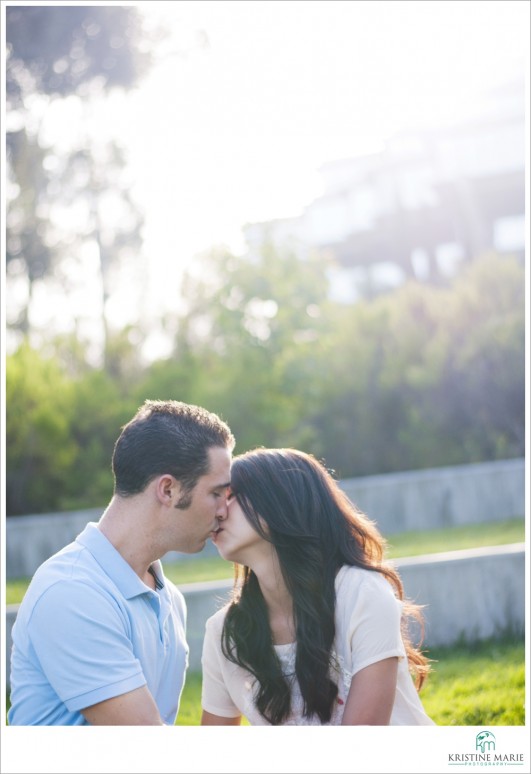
[[372, 694], [208, 719]]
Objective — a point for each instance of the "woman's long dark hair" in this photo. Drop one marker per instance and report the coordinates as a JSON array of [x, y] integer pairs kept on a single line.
[[315, 530]]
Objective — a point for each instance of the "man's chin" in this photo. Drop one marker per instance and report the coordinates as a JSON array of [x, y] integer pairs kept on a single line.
[[192, 549]]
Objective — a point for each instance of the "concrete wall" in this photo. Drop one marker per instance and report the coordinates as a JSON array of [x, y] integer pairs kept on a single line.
[[441, 497], [469, 595], [425, 499], [30, 540]]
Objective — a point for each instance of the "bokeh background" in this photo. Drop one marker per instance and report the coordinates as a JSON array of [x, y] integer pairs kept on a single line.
[[308, 217]]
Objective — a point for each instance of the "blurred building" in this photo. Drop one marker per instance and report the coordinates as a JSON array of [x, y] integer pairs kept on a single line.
[[429, 201]]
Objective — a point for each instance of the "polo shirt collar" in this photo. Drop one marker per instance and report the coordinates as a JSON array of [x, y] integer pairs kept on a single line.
[[111, 561]]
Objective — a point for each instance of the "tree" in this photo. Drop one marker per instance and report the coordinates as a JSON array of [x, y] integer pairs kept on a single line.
[[61, 50], [429, 376], [418, 378], [481, 391], [54, 52], [252, 334], [40, 449], [28, 249]]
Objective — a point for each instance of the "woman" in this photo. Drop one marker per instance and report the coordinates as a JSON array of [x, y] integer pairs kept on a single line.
[[315, 633]]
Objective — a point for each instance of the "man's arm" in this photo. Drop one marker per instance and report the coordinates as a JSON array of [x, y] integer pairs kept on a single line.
[[135, 708]]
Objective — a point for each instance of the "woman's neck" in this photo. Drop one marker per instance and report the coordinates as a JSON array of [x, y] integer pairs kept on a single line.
[[278, 601]]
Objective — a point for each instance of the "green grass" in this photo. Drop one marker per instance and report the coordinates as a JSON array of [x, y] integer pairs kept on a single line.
[[404, 544], [479, 685], [15, 590], [190, 706], [473, 685], [198, 569], [400, 545], [494, 533]]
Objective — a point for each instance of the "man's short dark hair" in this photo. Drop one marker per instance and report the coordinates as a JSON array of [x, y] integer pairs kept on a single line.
[[167, 436]]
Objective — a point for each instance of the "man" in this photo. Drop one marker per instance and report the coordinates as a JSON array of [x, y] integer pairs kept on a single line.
[[100, 635]]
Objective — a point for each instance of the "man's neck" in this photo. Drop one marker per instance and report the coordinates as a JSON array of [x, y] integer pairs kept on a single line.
[[124, 525]]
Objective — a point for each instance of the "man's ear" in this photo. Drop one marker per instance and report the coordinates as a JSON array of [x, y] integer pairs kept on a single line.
[[166, 489]]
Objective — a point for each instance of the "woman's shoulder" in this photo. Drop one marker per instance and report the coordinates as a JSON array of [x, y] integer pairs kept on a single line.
[[352, 581], [215, 621], [363, 596]]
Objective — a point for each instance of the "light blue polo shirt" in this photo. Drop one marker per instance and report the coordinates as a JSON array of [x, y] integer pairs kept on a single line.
[[89, 629]]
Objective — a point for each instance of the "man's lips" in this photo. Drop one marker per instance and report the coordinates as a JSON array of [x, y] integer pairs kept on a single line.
[[215, 533]]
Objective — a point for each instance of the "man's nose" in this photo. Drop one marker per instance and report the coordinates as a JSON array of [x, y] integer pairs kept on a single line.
[[222, 511]]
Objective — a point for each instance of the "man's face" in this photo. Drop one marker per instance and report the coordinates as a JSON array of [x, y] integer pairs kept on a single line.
[[208, 500]]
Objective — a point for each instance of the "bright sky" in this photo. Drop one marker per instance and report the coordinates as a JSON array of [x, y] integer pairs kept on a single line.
[[236, 132]]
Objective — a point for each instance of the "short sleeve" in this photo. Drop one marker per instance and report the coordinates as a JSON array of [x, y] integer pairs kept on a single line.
[[215, 696], [374, 630], [86, 652]]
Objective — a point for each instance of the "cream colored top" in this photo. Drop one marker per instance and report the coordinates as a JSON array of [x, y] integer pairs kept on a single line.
[[367, 630]]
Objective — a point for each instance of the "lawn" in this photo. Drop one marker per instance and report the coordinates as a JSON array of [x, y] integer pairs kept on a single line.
[[477, 685], [494, 533], [401, 545], [473, 685]]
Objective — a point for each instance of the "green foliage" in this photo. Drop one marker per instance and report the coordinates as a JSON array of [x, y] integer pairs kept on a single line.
[[40, 448], [422, 377], [253, 332], [100, 410], [60, 434], [429, 376]]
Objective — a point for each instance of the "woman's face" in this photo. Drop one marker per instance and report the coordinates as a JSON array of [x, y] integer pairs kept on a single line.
[[236, 540]]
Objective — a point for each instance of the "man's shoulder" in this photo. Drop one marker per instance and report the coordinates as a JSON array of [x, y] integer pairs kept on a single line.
[[70, 572]]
